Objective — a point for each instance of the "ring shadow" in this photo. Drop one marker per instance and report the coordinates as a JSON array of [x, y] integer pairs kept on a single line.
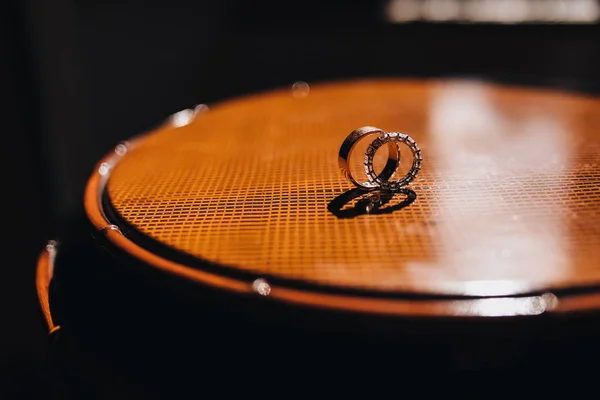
[[372, 203]]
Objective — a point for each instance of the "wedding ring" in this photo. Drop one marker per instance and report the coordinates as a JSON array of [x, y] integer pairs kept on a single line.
[[346, 150], [396, 138]]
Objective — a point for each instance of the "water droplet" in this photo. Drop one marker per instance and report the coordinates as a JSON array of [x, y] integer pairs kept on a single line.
[[300, 89], [104, 168], [182, 117], [200, 108], [261, 287], [51, 246], [551, 300], [110, 228], [121, 149]]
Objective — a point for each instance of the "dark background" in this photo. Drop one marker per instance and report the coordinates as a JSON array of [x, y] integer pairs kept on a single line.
[[78, 76]]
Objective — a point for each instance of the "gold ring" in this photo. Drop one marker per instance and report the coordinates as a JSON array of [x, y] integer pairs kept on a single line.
[[346, 150]]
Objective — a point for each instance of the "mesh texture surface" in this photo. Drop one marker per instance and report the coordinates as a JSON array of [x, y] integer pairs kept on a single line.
[[508, 199]]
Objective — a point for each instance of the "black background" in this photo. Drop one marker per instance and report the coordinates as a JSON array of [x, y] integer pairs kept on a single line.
[[78, 76]]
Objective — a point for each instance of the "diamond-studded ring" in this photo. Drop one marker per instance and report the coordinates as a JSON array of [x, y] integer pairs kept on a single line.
[[396, 138], [346, 150]]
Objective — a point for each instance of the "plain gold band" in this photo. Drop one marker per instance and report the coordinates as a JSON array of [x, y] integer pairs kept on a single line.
[[346, 150]]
